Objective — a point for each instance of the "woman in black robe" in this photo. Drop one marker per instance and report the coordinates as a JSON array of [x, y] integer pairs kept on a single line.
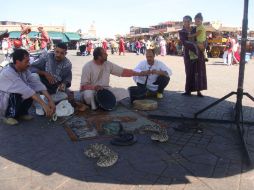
[[194, 61]]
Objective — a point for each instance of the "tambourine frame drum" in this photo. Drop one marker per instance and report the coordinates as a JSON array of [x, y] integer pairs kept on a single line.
[[105, 99]]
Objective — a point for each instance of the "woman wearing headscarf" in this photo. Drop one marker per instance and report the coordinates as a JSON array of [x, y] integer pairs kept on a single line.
[[194, 61]]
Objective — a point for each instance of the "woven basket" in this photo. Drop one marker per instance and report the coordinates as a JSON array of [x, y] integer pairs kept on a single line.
[[145, 105]]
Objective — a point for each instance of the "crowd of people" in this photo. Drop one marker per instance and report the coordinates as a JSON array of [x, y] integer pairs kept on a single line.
[[232, 51], [162, 46], [39, 42]]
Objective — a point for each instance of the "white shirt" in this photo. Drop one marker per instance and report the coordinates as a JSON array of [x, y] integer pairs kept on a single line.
[[23, 83], [93, 74], [144, 66], [148, 44], [4, 46]]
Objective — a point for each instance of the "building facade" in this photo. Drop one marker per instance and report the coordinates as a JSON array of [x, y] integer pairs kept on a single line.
[[15, 26]]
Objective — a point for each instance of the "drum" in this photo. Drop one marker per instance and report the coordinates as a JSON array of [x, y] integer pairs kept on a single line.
[[105, 99]]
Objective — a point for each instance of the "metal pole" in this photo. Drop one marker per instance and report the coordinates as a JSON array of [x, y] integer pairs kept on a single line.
[[238, 108], [242, 63]]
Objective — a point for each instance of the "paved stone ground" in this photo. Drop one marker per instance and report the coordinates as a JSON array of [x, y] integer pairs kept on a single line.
[[39, 154]]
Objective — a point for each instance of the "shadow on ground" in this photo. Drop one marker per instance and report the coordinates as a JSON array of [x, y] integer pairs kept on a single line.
[[40, 148]]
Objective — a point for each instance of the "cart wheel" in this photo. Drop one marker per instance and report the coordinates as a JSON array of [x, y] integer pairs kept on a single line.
[[215, 52]]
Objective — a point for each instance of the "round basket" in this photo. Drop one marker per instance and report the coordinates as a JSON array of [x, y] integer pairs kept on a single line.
[[145, 105]]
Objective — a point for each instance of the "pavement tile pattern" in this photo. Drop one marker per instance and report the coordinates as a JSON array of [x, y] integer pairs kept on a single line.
[[40, 155]]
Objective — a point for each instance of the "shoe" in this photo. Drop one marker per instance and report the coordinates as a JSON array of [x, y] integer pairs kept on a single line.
[[125, 139], [10, 121], [26, 117], [186, 94], [39, 111], [159, 95]]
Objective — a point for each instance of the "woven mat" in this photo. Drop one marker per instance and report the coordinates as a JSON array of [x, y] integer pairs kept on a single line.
[[91, 124]]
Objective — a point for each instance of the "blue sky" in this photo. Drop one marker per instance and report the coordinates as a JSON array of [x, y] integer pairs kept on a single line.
[[116, 16]]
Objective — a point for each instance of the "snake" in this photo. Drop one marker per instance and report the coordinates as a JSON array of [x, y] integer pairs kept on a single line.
[[157, 133], [107, 157]]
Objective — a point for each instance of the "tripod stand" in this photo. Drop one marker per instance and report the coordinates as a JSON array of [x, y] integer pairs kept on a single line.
[[238, 121]]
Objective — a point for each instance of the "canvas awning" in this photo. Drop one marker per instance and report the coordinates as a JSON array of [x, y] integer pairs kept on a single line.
[[72, 36], [16, 34], [210, 29], [58, 36], [228, 29], [33, 34], [88, 37]]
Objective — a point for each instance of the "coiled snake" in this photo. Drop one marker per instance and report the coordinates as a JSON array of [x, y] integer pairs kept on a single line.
[[107, 157], [157, 133]]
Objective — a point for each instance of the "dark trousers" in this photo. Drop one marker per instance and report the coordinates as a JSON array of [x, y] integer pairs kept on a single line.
[[161, 81], [51, 88], [17, 106]]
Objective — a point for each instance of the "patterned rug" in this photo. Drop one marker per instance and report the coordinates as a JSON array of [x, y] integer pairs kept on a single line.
[[104, 124]]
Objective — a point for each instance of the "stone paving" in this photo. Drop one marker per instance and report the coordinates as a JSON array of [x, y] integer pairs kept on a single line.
[[40, 155]]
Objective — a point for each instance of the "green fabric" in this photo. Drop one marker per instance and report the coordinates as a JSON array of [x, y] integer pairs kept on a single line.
[[72, 36], [16, 34], [202, 36], [33, 34], [58, 36]]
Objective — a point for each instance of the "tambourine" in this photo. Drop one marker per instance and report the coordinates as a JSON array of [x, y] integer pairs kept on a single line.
[[105, 99]]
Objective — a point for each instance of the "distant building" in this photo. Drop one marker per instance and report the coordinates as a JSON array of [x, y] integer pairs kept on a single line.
[[172, 27], [15, 26], [139, 30], [92, 30], [13, 23], [166, 27]]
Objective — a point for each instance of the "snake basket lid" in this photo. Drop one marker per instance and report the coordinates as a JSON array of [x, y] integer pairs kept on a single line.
[[145, 104]]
